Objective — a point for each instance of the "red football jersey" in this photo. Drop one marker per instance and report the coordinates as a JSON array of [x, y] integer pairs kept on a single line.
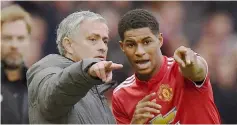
[[181, 99]]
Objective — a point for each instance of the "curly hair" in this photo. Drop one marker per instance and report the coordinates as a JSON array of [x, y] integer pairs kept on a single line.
[[137, 18]]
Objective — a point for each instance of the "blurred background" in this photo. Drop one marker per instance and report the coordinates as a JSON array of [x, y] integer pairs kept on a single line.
[[208, 27]]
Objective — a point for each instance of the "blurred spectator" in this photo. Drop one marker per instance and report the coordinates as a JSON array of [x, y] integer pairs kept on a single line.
[[63, 7], [227, 65], [15, 39], [123, 6], [216, 30], [216, 46], [38, 38], [5, 3], [49, 12], [225, 89], [115, 54], [171, 25], [228, 6]]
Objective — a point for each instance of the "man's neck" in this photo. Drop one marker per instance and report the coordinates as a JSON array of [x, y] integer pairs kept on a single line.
[[69, 56], [142, 77], [13, 75]]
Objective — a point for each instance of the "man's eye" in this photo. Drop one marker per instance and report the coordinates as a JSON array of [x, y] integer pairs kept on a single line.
[[106, 42], [21, 38], [7, 38], [147, 42], [130, 45], [93, 39]]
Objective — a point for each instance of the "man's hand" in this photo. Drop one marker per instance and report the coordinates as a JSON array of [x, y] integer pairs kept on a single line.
[[144, 110], [192, 66], [103, 70], [185, 56]]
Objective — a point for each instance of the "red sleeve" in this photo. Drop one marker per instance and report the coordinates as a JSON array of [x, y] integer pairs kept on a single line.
[[119, 114], [205, 84]]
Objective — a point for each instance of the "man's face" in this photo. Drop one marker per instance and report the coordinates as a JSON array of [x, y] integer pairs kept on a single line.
[[142, 47], [15, 41], [91, 41]]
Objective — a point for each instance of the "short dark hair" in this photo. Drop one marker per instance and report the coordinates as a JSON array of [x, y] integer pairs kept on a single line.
[[137, 18]]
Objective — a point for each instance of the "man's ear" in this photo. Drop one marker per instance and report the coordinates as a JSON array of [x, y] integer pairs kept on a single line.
[[67, 44], [160, 37], [121, 45]]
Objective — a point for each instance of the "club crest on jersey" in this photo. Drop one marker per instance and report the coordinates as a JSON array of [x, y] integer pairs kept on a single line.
[[165, 92]]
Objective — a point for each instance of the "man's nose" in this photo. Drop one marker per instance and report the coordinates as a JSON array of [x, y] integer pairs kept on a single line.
[[13, 43], [102, 46], [140, 51]]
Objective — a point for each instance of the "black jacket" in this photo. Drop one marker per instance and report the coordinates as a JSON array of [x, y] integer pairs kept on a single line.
[[14, 105]]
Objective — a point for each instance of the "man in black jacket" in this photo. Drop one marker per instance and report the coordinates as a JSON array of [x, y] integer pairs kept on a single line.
[[68, 88], [15, 35]]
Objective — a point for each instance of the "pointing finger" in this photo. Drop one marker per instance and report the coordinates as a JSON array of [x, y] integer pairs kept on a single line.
[[102, 71], [179, 60], [116, 66]]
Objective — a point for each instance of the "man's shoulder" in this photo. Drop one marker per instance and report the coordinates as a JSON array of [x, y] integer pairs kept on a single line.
[[45, 66], [171, 65], [125, 84], [52, 60]]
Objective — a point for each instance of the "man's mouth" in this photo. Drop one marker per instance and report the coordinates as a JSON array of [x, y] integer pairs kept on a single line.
[[141, 61], [100, 57], [142, 64]]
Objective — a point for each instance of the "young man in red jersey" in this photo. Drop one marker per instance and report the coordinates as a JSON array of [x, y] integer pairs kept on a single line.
[[163, 90]]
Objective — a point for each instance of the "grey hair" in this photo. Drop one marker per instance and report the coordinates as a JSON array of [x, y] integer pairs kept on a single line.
[[70, 25]]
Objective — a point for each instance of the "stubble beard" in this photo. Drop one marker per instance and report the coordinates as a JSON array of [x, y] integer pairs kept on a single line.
[[13, 63]]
